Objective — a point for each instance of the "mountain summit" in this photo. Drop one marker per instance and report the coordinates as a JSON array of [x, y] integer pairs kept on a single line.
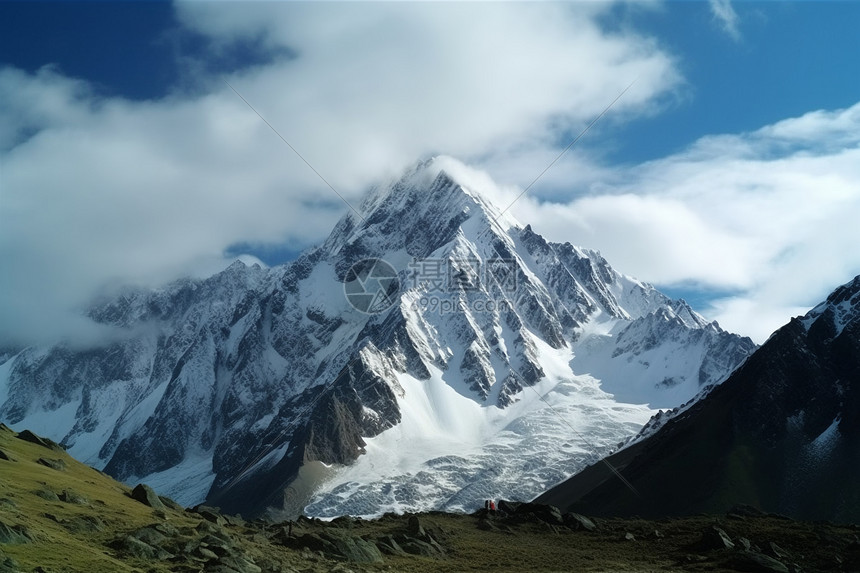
[[431, 353]]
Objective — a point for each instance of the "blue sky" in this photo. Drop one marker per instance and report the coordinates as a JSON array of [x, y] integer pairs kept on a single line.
[[726, 175]]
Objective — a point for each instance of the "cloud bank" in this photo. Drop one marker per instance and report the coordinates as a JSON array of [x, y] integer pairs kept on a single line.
[[102, 191], [769, 215], [96, 192]]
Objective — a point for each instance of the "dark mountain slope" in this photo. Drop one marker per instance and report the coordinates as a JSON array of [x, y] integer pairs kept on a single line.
[[781, 433]]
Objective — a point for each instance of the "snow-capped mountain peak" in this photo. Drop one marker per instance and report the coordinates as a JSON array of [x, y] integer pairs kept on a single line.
[[421, 341]]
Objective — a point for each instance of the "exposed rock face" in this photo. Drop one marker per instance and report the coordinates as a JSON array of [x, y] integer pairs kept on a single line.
[[221, 389], [782, 434]]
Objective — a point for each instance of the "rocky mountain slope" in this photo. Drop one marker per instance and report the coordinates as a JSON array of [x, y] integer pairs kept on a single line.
[[782, 434], [431, 353], [60, 515]]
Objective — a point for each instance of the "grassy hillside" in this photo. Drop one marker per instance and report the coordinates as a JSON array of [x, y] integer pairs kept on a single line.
[[57, 515]]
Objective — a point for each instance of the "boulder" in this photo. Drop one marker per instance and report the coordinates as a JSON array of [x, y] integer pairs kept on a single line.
[[389, 546], [419, 547], [546, 513], [508, 506], [8, 565], [135, 548], [753, 561], [414, 527], [6, 457], [145, 495], [577, 521], [29, 436], [344, 521], [14, 534], [778, 551], [715, 538], [337, 545], [149, 535], [46, 494], [53, 463], [83, 524], [218, 545], [208, 528], [71, 496]]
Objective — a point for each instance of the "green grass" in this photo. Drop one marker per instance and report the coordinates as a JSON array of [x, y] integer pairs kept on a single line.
[[509, 546]]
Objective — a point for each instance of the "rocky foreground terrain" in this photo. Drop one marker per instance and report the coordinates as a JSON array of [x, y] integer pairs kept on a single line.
[[58, 515]]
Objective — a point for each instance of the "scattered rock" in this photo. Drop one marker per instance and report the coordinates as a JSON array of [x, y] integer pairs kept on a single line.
[[389, 546], [629, 536], [747, 545], [344, 521], [47, 494], [336, 545], [218, 545], [145, 495], [29, 436], [204, 553], [149, 535], [235, 521], [134, 547], [577, 521], [716, 538], [418, 547], [14, 534], [546, 513], [83, 524], [71, 496], [56, 464], [778, 551], [414, 527], [508, 506], [212, 516], [165, 529], [753, 561], [8, 565], [201, 509], [207, 528]]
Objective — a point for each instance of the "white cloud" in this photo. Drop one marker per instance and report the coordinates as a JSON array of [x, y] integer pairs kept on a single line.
[[97, 191], [770, 215], [104, 190], [726, 16]]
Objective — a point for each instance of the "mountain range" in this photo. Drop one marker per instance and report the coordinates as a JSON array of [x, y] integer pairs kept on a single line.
[[431, 353]]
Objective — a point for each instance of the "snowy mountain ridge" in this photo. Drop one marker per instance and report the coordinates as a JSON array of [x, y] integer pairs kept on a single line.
[[391, 367]]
